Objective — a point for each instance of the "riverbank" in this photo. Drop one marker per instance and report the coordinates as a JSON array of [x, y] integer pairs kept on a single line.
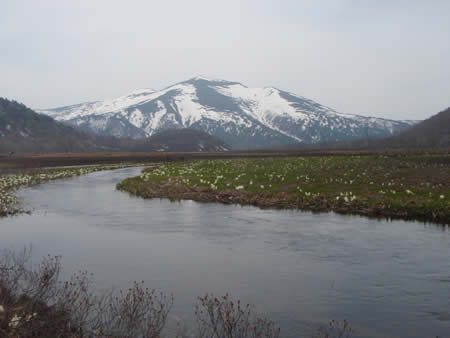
[[9, 202], [399, 186]]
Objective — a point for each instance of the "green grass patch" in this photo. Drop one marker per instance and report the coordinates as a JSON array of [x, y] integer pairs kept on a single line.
[[395, 186]]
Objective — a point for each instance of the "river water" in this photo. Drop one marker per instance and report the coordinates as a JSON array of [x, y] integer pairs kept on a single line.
[[388, 279]]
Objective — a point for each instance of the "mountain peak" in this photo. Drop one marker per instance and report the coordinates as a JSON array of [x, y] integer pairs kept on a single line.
[[206, 78], [210, 81]]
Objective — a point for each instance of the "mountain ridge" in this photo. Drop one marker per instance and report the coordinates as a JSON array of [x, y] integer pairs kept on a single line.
[[243, 117]]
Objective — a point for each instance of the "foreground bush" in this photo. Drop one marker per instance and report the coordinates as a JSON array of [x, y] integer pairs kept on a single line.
[[224, 318], [34, 302], [335, 329]]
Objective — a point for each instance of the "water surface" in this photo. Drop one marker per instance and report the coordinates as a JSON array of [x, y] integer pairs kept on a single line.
[[388, 279]]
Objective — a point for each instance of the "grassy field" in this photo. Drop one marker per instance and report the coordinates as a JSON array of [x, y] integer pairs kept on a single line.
[[9, 203], [392, 186]]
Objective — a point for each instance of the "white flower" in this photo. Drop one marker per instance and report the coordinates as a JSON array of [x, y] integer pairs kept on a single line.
[[14, 321], [442, 197], [409, 192], [261, 186], [239, 187]]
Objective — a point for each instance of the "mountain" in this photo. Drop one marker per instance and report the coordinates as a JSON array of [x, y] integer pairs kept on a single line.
[[181, 140], [22, 129], [243, 117]]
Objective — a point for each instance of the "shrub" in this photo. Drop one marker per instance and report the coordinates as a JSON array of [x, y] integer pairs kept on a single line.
[[34, 302], [335, 329], [224, 318]]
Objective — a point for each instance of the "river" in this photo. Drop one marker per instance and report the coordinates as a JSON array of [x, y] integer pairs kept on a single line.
[[388, 279]]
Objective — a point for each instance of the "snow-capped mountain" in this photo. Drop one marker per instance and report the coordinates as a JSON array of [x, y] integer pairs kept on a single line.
[[243, 117]]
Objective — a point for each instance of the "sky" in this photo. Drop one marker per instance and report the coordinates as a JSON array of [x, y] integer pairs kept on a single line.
[[385, 58]]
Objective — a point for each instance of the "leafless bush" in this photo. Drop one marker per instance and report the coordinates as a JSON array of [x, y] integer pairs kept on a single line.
[[139, 312], [25, 294], [335, 329], [34, 302], [224, 318]]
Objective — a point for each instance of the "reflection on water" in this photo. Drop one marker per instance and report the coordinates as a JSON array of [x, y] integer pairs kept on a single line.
[[301, 269]]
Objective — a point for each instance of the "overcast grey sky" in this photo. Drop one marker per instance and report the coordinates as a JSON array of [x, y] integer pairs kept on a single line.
[[383, 58]]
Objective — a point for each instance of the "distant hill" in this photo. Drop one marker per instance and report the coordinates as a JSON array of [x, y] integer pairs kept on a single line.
[[22, 129], [189, 140], [430, 133], [433, 132]]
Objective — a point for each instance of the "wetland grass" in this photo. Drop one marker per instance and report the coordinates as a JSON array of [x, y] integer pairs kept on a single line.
[[403, 186]]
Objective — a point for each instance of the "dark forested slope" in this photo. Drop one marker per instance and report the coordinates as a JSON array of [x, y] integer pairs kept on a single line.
[[433, 132], [22, 129]]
